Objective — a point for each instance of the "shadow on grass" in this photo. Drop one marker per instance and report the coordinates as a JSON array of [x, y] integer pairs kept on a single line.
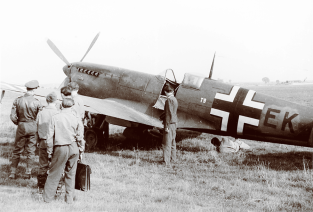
[[186, 134], [118, 142], [286, 161]]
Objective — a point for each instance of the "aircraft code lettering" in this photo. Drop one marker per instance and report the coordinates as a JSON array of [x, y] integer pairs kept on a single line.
[[268, 115], [237, 109], [287, 120], [203, 100]]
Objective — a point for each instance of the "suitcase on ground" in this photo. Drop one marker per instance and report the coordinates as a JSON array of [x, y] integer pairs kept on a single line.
[[82, 179]]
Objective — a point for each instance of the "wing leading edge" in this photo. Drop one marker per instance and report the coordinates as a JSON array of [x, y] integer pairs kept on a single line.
[[112, 107]]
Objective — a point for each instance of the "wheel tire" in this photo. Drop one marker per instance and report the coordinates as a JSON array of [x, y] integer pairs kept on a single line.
[[91, 139]]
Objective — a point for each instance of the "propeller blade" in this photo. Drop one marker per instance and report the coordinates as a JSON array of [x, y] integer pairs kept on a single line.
[[211, 71], [91, 45], [64, 83], [57, 51]]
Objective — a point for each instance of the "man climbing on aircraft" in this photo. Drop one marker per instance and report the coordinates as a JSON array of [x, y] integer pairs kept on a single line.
[[23, 114], [169, 122]]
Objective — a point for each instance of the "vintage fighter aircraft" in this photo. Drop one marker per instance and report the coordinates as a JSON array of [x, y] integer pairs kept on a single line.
[[135, 100]]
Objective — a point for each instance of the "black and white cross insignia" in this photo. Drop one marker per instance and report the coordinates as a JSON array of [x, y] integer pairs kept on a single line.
[[237, 109]]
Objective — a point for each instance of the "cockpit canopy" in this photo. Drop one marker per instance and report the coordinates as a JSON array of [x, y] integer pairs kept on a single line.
[[192, 81]]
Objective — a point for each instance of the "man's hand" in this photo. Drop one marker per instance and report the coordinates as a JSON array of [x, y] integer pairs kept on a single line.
[[80, 158], [166, 130]]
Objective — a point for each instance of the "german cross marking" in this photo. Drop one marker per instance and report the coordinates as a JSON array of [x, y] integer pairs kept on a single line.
[[237, 109]]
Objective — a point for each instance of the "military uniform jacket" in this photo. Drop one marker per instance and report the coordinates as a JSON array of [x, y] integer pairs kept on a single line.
[[170, 110], [64, 129], [25, 109], [43, 121], [79, 106]]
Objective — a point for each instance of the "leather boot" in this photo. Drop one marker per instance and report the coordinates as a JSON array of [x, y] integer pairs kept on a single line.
[[41, 180], [28, 173], [13, 171]]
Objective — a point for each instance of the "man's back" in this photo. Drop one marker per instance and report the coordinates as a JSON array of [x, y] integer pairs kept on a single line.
[[67, 127], [43, 120], [25, 109], [170, 109]]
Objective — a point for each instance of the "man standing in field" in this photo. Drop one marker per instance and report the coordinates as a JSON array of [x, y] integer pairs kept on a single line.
[[169, 122], [23, 114], [79, 104], [66, 93], [64, 134], [43, 120], [78, 107]]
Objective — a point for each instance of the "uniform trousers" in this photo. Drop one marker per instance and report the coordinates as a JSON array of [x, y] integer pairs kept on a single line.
[[24, 139], [169, 144], [63, 156], [43, 161]]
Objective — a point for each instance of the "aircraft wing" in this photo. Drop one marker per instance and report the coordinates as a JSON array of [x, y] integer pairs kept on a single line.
[[130, 111], [40, 93], [12, 87], [115, 108]]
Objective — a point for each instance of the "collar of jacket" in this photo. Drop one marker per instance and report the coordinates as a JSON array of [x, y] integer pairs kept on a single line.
[[170, 95], [66, 110], [50, 107], [28, 94]]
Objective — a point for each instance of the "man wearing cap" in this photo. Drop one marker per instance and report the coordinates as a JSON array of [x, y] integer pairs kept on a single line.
[[64, 134], [66, 93], [23, 114], [169, 122], [43, 120]]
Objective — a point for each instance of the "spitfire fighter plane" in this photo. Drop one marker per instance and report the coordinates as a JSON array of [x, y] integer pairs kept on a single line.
[[135, 100]]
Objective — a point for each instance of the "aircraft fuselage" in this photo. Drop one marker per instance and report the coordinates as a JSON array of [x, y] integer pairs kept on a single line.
[[212, 107]]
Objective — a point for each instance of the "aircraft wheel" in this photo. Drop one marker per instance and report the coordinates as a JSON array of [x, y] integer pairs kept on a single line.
[[91, 139]]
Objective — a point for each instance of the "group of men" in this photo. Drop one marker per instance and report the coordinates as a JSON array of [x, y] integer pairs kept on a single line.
[[57, 129]]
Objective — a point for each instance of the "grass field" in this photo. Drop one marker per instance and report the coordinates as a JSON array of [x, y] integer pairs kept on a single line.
[[272, 177]]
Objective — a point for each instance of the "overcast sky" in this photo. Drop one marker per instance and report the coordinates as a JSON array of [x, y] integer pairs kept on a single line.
[[252, 39]]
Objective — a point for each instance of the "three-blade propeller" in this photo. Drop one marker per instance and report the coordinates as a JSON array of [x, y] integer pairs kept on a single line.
[[61, 56]]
